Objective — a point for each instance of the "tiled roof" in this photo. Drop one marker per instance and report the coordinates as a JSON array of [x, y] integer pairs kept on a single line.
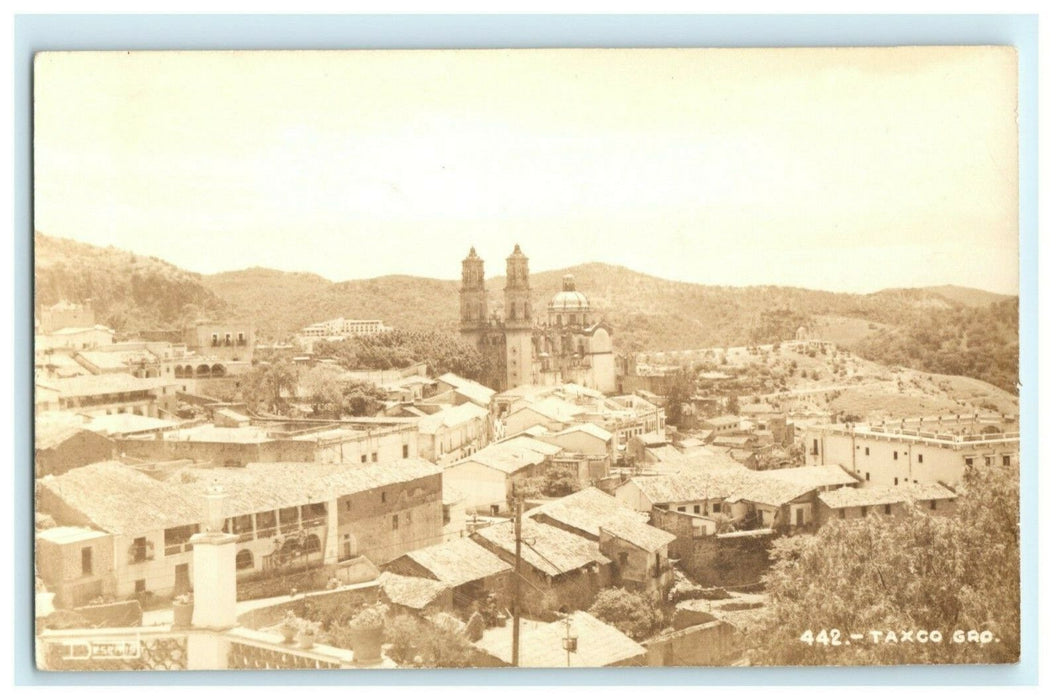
[[591, 510], [774, 487], [52, 435], [117, 359], [768, 491], [723, 420], [471, 389], [94, 384], [411, 591], [702, 459], [733, 440], [231, 415], [554, 408], [68, 534], [242, 435], [814, 476], [451, 416], [512, 455], [119, 423], [550, 550], [871, 496], [459, 561], [692, 485], [541, 643], [118, 498], [590, 428]]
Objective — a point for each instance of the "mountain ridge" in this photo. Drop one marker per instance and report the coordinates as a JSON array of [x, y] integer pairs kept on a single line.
[[649, 313]]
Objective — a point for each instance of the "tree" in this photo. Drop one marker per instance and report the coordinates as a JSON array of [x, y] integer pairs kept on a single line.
[[879, 574], [321, 386], [559, 481], [419, 643], [630, 612], [263, 387], [678, 395], [362, 399]]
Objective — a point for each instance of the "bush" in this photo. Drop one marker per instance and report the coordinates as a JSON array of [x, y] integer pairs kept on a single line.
[[418, 643], [631, 613]]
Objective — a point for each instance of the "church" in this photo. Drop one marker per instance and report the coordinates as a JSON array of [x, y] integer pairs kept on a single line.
[[568, 346]]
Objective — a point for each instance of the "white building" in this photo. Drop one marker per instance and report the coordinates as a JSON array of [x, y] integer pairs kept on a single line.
[[915, 452]]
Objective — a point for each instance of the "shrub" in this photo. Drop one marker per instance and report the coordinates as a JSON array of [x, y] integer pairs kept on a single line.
[[631, 613]]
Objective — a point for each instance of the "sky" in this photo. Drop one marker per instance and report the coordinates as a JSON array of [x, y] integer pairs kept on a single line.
[[840, 169]]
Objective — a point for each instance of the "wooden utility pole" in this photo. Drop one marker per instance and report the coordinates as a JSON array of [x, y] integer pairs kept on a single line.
[[517, 582]]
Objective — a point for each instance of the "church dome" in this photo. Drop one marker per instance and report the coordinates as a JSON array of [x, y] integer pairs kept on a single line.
[[569, 299]]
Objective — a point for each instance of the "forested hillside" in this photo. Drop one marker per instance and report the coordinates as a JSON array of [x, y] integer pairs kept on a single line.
[[949, 330], [129, 293]]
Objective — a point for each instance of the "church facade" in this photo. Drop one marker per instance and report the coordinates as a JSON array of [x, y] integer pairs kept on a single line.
[[568, 345]]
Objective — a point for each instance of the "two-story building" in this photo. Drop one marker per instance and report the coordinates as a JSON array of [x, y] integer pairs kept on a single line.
[[915, 451], [302, 514], [638, 552]]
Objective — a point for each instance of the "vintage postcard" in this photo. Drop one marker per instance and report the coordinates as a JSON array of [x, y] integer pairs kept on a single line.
[[526, 358]]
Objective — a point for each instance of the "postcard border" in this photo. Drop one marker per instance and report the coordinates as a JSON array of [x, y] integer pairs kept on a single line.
[[34, 33]]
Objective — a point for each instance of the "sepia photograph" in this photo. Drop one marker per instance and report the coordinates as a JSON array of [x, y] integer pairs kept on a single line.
[[526, 358]]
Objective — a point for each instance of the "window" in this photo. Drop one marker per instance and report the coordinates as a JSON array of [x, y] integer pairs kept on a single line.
[[404, 451], [695, 509], [393, 522], [716, 508], [364, 459], [868, 477], [289, 519], [968, 461], [896, 454], [920, 459], [382, 496], [680, 509], [934, 505], [312, 543], [86, 561], [842, 513], [347, 505], [495, 510], [266, 523], [1006, 460], [446, 515], [864, 511], [141, 585], [375, 456], [988, 461], [623, 558], [887, 509], [814, 447], [896, 481], [866, 452]]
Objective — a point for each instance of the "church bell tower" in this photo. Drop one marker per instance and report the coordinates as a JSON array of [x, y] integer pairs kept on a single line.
[[518, 321], [473, 312]]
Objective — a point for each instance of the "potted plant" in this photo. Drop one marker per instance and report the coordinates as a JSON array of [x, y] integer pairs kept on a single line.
[[367, 638], [288, 627], [308, 634], [183, 606]]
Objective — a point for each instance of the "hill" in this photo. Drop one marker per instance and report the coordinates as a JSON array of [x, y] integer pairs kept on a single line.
[[948, 330], [966, 296], [129, 292]]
